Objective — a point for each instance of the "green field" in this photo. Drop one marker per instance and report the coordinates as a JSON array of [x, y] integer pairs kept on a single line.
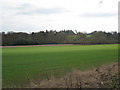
[[21, 63]]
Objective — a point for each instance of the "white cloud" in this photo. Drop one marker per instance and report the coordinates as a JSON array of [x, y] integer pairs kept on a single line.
[[42, 11], [35, 15], [99, 15]]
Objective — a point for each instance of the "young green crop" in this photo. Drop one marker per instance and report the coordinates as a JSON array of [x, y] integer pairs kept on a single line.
[[21, 63]]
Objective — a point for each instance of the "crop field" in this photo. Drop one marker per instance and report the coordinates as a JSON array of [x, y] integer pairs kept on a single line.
[[39, 62]]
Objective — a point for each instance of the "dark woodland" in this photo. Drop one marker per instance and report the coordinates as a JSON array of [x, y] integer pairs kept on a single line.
[[61, 37]]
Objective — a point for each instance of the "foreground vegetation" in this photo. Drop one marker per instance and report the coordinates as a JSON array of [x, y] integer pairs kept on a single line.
[[105, 76], [23, 63]]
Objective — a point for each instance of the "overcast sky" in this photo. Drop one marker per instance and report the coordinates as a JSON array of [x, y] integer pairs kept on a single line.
[[39, 15]]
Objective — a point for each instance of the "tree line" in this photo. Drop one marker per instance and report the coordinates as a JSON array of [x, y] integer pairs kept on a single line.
[[58, 37]]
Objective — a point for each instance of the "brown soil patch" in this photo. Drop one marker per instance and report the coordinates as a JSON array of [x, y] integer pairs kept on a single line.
[[36, 45]]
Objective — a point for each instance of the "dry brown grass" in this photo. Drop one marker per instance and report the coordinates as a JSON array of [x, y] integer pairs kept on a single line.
[[103, 77]]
